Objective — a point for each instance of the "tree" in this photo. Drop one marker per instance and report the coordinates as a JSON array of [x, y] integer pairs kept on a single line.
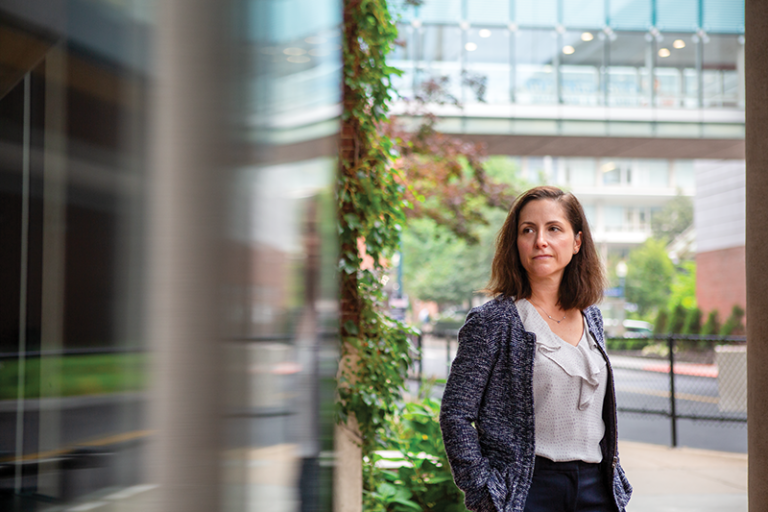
[[692, 321], [712, 325], [677, 319], [660, 325], [441, 267], [683, 287], [649, 276], [445, 175], [734, 325], [673, 219]]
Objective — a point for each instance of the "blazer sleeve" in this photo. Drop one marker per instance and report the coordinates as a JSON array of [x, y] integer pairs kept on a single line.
[[464, 390]]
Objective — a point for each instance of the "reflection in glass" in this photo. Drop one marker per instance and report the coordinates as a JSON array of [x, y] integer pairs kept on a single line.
[[441, 57], [536, 60], [628, 70], [723, 71], [580, 67], [675, 81], [489, 62]]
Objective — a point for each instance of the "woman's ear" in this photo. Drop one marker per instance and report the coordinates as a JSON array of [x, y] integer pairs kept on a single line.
[[577, 243]]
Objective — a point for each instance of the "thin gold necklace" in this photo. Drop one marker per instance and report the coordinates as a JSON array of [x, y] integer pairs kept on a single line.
[[545, 312]]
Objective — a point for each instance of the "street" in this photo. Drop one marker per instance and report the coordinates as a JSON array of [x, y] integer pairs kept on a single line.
[[647, 391]]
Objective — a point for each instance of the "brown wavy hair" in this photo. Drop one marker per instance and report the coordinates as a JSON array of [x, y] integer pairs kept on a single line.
[[583, 279]]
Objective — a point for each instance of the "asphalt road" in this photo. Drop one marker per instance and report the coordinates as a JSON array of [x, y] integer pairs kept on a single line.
[[649, 391]]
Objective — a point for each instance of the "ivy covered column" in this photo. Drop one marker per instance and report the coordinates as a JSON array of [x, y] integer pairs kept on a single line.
[[370, 204], [348, 474]]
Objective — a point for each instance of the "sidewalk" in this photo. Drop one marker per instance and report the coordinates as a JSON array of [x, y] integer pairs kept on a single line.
[[684, 479]]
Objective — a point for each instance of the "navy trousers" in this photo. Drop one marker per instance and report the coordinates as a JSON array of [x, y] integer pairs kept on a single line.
[[573, 486]]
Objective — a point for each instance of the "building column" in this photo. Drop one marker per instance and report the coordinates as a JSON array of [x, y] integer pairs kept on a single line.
[[757, 249], [185, 203]]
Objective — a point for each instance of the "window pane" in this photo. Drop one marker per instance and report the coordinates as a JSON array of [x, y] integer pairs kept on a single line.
[[652, 173], [614, 218], [722, 72], [631, 14], [580, 172], [724, 16], [675, 66], [581, 60], [488, 71], [584, 14], [628, 83], [685, 176], [488, 11], [677, 15], [441, 57], [445, 11], [542, 13], [535, 52]]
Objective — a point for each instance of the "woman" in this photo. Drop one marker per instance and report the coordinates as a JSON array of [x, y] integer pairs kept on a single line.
[[529, 410]]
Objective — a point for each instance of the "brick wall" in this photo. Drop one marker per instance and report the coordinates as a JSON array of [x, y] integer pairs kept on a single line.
[[721, 280]]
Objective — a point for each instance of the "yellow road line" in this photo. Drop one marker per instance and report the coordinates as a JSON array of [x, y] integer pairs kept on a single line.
[[104, 441]]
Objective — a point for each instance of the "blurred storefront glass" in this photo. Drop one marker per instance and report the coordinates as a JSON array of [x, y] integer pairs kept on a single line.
[[76, 132]]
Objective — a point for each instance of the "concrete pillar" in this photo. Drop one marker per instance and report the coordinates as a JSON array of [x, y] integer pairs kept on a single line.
[[184, 189], [757, 249]]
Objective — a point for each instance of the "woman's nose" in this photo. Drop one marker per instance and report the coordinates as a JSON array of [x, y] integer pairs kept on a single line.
[[541, 240]]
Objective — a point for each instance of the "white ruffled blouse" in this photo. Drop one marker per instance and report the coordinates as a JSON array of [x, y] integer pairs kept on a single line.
[[569, 385]]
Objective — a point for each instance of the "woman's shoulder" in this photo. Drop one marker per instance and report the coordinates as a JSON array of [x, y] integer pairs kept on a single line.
[[498, 311], [499, 306], [594, 319]]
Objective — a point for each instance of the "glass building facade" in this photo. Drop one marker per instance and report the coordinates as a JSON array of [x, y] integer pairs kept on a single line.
[[619, 53], [86, 405], [613, 74]]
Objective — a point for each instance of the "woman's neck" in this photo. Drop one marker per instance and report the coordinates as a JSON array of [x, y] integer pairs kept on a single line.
[[546, 295]]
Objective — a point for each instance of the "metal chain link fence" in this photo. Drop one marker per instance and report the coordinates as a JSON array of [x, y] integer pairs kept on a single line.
[[675, 377]]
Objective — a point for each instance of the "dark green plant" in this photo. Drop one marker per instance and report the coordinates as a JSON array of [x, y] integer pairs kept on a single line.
[[660, 326], [423, 482], [677, 319], [734, 324], [712, 325], [692, 321]]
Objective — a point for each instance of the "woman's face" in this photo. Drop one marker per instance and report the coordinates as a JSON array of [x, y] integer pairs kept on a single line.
[[546, 242]]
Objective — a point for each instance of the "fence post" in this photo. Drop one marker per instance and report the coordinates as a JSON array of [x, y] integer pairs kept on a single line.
[[672, 401]]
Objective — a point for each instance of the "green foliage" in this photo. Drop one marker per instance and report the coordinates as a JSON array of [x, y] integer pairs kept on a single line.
[[712, 325], [683, 288], [692, 321], [734, 324], [677, 319], [80, 375], [423, 482], [440, 266], [673, 219], [649, 276], [660, 325], [370, 203]]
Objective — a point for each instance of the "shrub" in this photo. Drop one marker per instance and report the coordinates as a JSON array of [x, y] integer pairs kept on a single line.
[[692, 322], [677, 319], [423, 482], [712, 325], [733, 325], [660, 326]]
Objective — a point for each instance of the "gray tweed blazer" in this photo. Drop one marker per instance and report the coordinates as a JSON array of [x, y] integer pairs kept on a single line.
[[487, 411]]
